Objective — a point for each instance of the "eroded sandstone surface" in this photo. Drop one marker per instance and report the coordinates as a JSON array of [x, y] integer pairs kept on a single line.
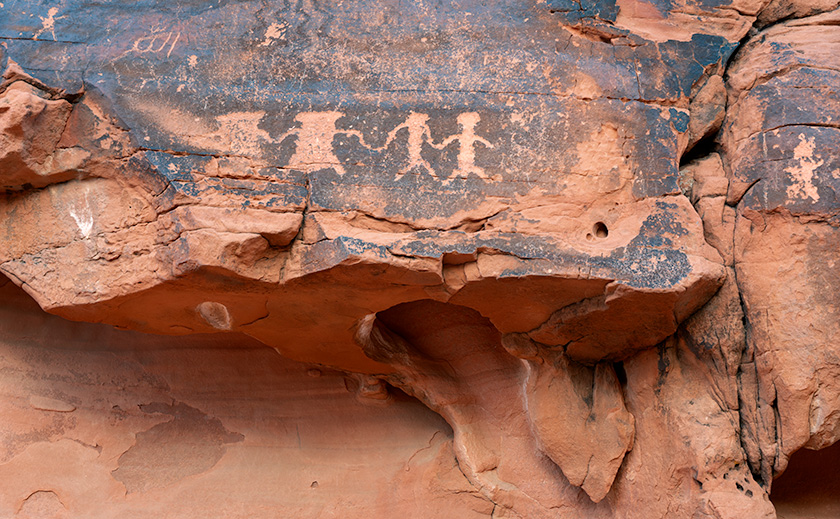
[[510, 259]]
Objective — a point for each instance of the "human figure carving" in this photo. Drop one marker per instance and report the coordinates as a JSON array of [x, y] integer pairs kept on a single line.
[[418, 132], [314, 147], [467, 140]]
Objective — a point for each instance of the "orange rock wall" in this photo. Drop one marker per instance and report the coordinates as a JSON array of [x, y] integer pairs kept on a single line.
[[516, 259]]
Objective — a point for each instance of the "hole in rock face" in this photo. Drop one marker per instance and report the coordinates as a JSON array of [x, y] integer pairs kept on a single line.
[[440, 330], [620, 373], [600, 230], [702, 148], [454, 258], [810, 487]]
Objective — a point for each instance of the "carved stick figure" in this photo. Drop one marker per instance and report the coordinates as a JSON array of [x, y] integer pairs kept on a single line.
[[314, 147], [418, 132], [467, 140]]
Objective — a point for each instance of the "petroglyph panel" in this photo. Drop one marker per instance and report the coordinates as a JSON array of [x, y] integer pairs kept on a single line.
[[268, 144], [491, 103]]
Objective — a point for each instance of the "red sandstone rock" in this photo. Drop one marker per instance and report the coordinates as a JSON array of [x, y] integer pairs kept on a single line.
[[31, 127], [782, 135], [481, 208]]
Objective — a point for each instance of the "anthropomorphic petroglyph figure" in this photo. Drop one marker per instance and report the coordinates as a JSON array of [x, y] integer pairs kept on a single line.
[[467, 140], [418, 132], [314, 146]]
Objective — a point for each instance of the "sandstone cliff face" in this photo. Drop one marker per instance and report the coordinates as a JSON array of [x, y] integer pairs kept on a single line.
[[530, 259]]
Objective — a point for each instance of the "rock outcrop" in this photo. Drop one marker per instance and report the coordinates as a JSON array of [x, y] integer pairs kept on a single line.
[[595, 238]]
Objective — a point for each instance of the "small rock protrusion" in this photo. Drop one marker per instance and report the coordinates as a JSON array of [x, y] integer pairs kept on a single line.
[[371, 388], [215, 314], [43, 403]]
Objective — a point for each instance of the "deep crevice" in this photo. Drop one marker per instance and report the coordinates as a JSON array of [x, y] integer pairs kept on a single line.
[[703, 148], [620, 373]]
